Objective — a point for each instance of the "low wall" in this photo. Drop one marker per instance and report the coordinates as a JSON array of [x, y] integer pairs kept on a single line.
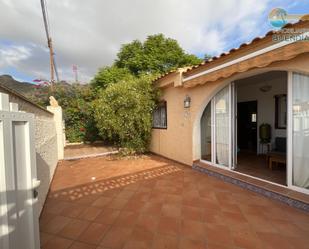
[[45, 142]]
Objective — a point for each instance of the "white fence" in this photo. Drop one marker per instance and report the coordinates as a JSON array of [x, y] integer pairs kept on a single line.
[[18, 178]]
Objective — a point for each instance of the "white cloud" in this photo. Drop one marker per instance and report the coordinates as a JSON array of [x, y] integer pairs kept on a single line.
[[13, 55], [89, 33]]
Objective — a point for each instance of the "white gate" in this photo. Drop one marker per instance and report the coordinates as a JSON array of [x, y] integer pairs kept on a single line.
[[19, 226]]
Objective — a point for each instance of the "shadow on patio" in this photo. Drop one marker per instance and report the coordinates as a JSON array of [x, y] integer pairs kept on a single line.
[[154, 203], [114, 183]]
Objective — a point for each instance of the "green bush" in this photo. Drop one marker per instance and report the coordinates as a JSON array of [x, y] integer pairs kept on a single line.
[[123, 113], [75, 100], [109, 75]]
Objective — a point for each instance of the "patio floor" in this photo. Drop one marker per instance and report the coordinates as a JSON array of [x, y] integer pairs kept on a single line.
[[150, 202]]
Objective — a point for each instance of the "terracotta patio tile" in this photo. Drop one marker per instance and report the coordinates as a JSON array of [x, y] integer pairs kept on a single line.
[[260, 223], [94, 233], [54, 206], [211, 245], [45, 218], [173, 199], [288, 228], [45, 237], [277, 213], [79, 245], [140, 196], [191, 244], [219, 234], [146, 189], [143, 206], [102, 201], [152, 208], [90, 213], [132, 244], [169, 226], [234, 208], [235, 220], [246, 239], [165, 242], [86, 200], [194, 230], [117, 203], [126, 194], [171, 210], [214, 216], [141, 235], [157, 197], [299, 242], [107, 216], [116, 237], [148, 223], [56, 224], [192, 213], [74, 228], [58, 243], [73, 211], [133, 205], [274, 240], [126, 219]]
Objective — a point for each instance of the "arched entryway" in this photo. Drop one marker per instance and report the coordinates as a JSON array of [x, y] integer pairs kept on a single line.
[[251, 125]]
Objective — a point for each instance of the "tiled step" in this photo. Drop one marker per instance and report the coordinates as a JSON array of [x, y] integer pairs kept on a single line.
[[273, 191]]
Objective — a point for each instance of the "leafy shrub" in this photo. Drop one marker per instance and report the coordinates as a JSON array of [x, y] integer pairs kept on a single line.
[[76, 102], [109, 75], [123, 113]]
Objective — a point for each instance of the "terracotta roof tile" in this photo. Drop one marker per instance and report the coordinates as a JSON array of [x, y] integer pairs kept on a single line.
[[256, 39]]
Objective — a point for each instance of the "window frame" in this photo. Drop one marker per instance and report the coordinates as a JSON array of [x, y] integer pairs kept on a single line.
[[277, 102], [161, 104]]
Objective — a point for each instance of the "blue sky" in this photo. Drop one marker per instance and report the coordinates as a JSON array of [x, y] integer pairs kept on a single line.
[[90, 35]]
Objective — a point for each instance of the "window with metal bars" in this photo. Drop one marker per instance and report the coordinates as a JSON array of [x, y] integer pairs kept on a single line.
[[160, 116]]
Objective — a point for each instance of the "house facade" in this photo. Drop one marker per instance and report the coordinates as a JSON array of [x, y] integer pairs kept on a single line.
[[245, 111]]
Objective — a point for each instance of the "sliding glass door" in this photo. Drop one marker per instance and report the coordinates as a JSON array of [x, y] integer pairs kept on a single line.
[[222, 127], [216, 123], [206, 133], [299, 130], [219, 138]]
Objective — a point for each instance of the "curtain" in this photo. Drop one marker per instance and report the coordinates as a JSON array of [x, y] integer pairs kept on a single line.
[[300, 130], [222, 126]]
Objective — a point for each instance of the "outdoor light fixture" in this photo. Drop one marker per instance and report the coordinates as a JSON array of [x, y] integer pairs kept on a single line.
[[265, 88], [187, 102]]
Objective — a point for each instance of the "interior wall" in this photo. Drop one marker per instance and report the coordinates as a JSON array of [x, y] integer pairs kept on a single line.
[[265, 102]]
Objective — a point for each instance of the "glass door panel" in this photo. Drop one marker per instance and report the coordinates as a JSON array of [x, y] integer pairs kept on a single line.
[[222, 127], [300, 130], [206, 143]]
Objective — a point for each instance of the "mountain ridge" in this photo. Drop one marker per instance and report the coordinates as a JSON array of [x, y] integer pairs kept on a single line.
[[23, 88]]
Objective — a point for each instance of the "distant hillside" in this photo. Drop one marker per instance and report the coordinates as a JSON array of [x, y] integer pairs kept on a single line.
[[21, 87]]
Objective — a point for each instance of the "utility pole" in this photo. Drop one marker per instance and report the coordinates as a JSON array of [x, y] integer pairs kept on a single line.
[[53, 68]]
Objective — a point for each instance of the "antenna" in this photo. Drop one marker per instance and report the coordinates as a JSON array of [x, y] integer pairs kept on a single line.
[[75, 69], [53, 67]]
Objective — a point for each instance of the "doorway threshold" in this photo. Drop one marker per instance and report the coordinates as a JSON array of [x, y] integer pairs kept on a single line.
[[271, 190]]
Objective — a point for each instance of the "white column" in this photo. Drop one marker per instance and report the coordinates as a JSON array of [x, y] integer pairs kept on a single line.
[[57, 111]]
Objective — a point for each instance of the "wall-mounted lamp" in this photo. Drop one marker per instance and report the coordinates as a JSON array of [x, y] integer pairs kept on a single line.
[[187, 102], [265, 88]]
